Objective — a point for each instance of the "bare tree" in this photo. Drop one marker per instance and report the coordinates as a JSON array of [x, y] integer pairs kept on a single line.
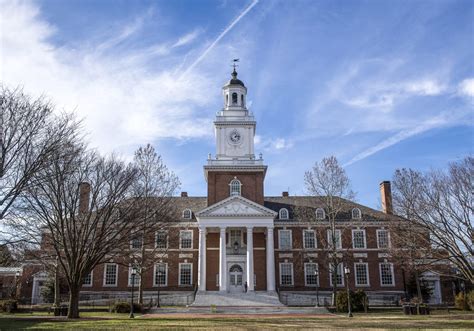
[[156, 185], [79, 209], [441, 203], [29, 134], [329, 181]]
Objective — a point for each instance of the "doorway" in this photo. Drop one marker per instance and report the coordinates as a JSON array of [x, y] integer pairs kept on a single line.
[[236, 278]]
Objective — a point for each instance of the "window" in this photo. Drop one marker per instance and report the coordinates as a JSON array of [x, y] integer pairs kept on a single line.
[[185, 274], [311, 274], [336, 240], [87, 281], [286, 274], [386, 274], [356, 214], [242, 100], [110, 274], [320, 214], [235, 187], [133, 279], [361, 274], [186, 239], [235, 237], [383, 239], [226, 99], [283, 214], [284, 237], [358, 239], [161, 240], [234, 98], [187, 214], [136, 243], [309, 239], [161, 274], [339, 274]]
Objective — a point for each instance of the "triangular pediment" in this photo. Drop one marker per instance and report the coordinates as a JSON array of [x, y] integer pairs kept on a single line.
[[236, 206]]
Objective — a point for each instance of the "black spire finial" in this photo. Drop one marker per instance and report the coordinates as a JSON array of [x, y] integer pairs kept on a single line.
[[234, 73]]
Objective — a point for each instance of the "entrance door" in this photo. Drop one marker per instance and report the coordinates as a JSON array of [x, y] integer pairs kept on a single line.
[[235, 278]]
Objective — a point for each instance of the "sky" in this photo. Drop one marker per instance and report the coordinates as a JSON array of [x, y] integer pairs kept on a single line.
[[379, 84]]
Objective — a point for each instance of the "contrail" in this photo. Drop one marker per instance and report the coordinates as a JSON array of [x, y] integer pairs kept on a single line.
[[227, 29]]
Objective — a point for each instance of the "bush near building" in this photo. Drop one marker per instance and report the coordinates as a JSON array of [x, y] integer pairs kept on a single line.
[[8, 306], [359, 301], [124, 307], [464, 301]]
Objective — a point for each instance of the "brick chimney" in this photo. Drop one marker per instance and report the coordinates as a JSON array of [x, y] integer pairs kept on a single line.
[[184, 194], [386, 194], [284, 194], [84, 197]]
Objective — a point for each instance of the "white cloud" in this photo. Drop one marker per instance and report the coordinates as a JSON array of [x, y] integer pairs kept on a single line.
[[425, 87], [466, 87], [187, 38]]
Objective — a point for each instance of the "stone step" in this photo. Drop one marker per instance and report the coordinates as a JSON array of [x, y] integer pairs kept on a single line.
[[241, 310], [250, 299]]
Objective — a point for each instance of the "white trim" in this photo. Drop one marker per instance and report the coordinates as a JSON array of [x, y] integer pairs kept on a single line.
[[166, 274], [314, 235], [316, 214], [389, 245], [192, 238], [292, 274], [190, 214], [353, 239], [356, 210], [391, 271], [105, 272], [136, 238], [366, 271], [279, 239], [317, 278], [92, 280], [191, 274], [167, 239], [287, 214], [235, 180]]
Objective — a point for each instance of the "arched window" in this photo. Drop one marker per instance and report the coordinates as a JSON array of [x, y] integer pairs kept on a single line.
[[242, 100], [235, 187], [320, 214], [187, 214], [283, 214], [226, 99], [356, 214], [236, 268], [234, 98]]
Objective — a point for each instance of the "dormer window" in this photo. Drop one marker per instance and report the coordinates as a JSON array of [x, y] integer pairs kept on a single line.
[[320, 214], [235, 187], [283, 214], [356, 214], [234, 98], [187, 214]]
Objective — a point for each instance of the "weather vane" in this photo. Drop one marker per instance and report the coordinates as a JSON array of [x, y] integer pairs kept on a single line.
[[234, 64]]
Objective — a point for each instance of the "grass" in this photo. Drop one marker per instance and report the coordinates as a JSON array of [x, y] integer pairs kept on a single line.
[[108, 321]]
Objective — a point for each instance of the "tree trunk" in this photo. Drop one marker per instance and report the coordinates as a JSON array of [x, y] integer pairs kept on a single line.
[[73, 311], [140, 290], [418, 287]]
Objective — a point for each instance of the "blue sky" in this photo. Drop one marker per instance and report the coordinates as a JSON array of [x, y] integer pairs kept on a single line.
[[379, 84]]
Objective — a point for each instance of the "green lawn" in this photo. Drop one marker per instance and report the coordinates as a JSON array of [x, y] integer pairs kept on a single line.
[[107, 321]]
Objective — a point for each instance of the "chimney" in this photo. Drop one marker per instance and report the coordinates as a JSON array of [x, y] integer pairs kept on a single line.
[[284, 194], [84, 197], [184, 194], [386, 193]]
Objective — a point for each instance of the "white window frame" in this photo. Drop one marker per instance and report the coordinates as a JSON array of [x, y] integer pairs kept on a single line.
[[342, 275], [366, 272], [137, 277], [191, 274], [231, 192], [281, 211], [105, 275], [338, 234], [388, 238], [92, 279], [316, 214], [136, 238], [306, 274], [180, 234], [155, 284], [156, 239], [279, 239], [391, 271], [292, 274], [314, 237], [358, 216], [353, 238], [185, 212]]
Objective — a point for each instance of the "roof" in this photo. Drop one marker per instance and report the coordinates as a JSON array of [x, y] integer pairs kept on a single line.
[[234, 80]]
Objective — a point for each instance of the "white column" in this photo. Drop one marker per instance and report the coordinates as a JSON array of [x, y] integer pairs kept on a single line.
[[250, 283], [270, 260], [222, 262], [202, 260]]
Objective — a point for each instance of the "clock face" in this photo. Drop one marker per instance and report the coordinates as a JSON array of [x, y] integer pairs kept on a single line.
[[235, 137]]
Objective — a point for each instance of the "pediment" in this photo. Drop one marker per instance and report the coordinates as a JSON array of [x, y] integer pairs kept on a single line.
[[236, 206]]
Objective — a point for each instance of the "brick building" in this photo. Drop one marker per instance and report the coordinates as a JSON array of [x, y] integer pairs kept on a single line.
[[237, 236]]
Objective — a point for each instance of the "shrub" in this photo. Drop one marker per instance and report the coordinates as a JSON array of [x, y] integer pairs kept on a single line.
[[124, 307], [470, 299], [461, 301], [358, 300], [9, 306]]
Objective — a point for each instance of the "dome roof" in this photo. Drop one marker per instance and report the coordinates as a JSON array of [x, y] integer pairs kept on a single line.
[[234, 80]]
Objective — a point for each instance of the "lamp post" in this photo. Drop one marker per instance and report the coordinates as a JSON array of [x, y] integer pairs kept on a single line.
[[316, 274], [17, 274], [347, 271], [134, 273]]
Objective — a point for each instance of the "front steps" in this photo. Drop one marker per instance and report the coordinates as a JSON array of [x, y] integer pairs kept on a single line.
[[249, 299], [223, 310]]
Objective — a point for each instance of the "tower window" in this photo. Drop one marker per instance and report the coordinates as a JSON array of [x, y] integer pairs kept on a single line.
[[235, 187], [226, 99], [242, 100], [234, 98]]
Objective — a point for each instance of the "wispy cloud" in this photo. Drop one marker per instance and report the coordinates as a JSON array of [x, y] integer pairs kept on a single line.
[[187, 38], [466, 87]]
